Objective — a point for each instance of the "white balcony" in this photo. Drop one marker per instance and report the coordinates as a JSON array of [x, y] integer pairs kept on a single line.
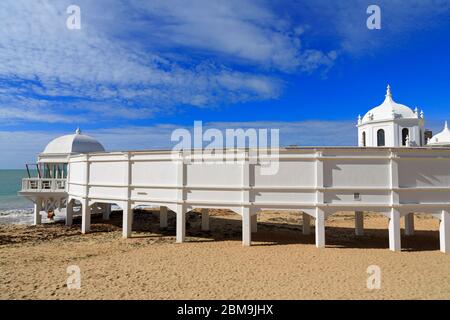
[[43, 185]]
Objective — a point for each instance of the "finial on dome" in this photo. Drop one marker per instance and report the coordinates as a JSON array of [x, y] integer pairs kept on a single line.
[[388, 91], [446, 125], [422, 114], [359, 119], [78, 131]]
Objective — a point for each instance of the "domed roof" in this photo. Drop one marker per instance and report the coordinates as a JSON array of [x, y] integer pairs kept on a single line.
[[442, 138], [73, 143], [389, 110]]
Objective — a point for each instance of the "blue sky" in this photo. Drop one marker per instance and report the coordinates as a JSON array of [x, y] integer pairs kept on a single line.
[[139, 69]]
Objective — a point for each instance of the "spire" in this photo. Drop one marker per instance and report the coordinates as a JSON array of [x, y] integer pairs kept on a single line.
[[388, 92], [446, 126], [78, 131]]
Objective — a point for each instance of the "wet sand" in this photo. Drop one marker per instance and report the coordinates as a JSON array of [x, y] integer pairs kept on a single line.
[[281, 264]]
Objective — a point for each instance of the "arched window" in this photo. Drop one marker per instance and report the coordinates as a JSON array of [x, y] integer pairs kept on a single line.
[[364, 139], [380, 138], [405, 134]]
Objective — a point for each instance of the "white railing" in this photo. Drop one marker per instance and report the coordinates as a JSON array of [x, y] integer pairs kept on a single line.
[[43, 185]]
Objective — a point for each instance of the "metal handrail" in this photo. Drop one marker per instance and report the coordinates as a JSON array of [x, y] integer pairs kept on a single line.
[[43, 184]]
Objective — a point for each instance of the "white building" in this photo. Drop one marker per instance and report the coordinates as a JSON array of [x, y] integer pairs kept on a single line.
[[391, 125], [397, 180], [442, 139]]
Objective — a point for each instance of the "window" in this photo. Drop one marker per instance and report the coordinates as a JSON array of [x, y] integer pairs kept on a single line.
[[380, 138], [405, 134], [364, 139]]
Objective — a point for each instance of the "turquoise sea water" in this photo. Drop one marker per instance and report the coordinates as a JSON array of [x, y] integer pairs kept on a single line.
[[10, 184], [13, 208]]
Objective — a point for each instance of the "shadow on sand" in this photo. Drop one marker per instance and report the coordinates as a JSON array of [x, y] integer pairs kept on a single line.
[[146, 225]]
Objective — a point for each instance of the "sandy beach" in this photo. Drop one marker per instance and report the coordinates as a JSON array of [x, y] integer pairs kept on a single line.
[[281, 264]]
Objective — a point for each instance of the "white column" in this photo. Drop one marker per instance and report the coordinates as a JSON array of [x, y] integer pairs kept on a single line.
[[205, 220], [69, 213], [359, 223], [85, 216], [181, 224], [106, 211], [163, 217], [37, 211], [320, 228], [394, 230], [444, 232], [246, 227], [306, 227], [127, 220], [409, 224], [254, 221]]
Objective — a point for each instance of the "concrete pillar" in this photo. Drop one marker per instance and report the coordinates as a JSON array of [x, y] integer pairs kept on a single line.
[[306, 227], [127, 220], [409, 224], [254, 222], [181, 224], [394, 230], [205, 220], [85, 216], [37, 211], [320, 228], [69, 213], [444, 232], [106, 211], [359, 223], [246, 227], [163, 217]]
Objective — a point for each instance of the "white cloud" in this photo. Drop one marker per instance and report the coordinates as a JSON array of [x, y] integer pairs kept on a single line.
[[128, 56]]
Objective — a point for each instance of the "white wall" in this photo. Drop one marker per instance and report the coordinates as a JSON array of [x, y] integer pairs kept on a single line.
[[407, 178]]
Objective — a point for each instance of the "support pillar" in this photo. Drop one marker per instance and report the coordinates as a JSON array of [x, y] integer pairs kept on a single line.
[[409, 224], [107, 211], [320, 228], [359, 223], [205, 220], [69, 213], [85, 216], [246, 227], [181, 224], [37, 211], [394, 231], [254, 221], [163, 217], [444, 232], [306, 227], [127, 220]]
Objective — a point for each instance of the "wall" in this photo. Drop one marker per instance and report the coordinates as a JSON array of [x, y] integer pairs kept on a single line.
[[416, 179]]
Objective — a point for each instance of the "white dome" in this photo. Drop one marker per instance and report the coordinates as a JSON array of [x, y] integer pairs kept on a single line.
[[389, 110], [442, 139], [73, 143]]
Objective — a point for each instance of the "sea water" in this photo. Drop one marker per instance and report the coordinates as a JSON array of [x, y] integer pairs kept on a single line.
[[14, 208]]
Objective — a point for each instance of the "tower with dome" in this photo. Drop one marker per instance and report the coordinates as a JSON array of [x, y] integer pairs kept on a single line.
[[391, 125]]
